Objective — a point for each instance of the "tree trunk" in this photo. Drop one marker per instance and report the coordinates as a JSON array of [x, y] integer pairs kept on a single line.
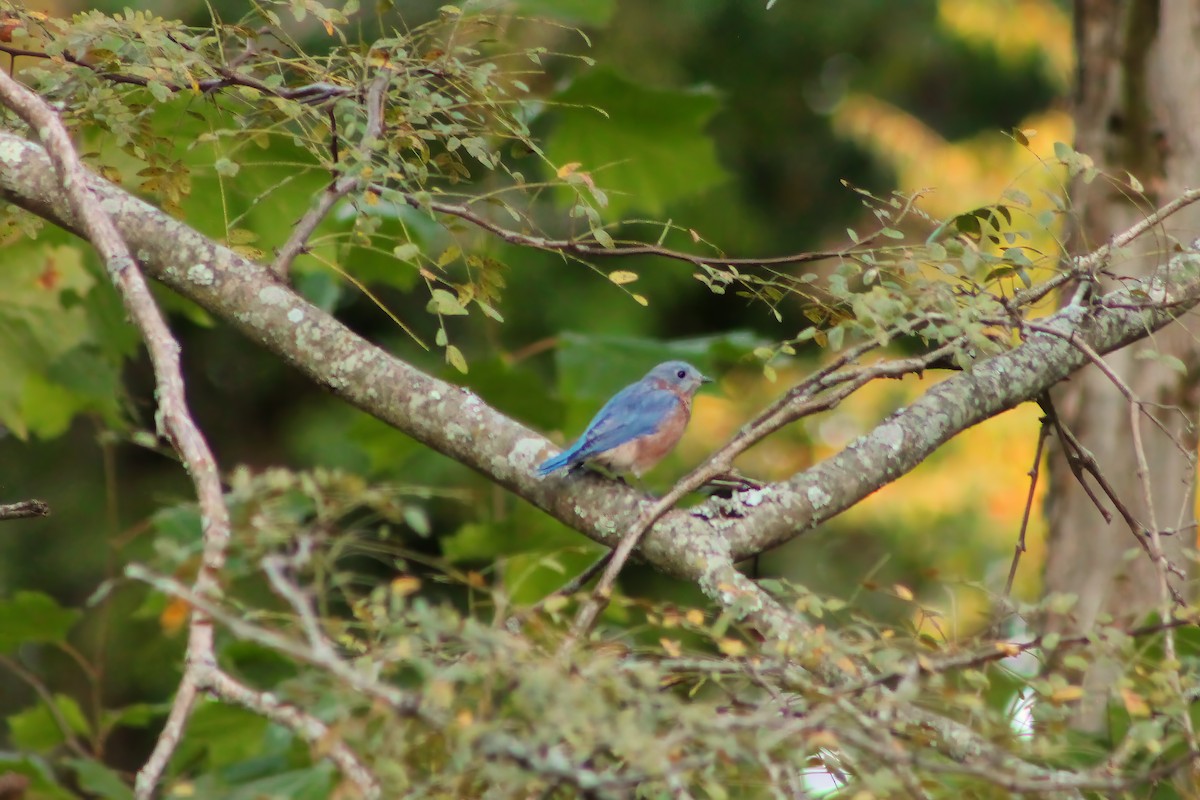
[[1137, 111]]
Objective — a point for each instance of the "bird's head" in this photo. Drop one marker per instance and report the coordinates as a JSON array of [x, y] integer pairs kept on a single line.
[[679, 376]]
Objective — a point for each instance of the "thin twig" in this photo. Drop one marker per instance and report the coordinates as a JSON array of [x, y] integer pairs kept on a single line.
[[1075, 341], [51, 703], [311, 93], [24, 510], [173, 418], [350, 181], [1079, 458], [1019, 548], [1167, 593], [1145, 536]]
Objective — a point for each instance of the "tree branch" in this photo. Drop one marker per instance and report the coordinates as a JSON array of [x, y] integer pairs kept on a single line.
[[460, 425], [173, 418], [350, 181], [24, 510]]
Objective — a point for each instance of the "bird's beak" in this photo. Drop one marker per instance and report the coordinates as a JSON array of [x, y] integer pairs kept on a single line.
[[705, 379]]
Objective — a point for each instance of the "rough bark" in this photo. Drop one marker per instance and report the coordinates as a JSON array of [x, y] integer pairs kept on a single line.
[[1135, 112]]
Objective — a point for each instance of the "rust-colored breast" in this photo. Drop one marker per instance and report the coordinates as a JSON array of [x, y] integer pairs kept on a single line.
[[641, 454]]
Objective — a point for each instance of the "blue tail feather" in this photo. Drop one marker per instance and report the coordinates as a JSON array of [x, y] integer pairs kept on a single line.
[[555, 463]]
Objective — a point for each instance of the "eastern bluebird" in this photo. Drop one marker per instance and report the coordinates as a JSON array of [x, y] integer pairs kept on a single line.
[[639, 425]]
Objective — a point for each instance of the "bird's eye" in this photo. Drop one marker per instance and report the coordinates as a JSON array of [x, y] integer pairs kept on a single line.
[[681, 374]]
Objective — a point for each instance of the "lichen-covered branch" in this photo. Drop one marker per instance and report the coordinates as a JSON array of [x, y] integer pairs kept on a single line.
[[461, 425]]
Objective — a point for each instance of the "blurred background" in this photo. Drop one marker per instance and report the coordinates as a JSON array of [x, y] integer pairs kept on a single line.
[[749, 126]]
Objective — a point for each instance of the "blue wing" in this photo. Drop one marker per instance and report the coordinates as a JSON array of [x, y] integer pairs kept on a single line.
[[632, 412]]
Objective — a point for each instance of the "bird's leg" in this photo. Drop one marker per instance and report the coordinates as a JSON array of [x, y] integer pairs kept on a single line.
[[601, 470]]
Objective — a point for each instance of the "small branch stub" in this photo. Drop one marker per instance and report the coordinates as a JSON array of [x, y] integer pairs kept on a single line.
[[24, 510]]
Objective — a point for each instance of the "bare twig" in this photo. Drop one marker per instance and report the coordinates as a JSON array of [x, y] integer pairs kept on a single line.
[[1080, 459], [1073, 338], [1147, 537], [311, 93], [1085, 265], [1019, 548], [395, 698], [24, 510], [173, 418], [1162, 567], [352, 180], [51, 703]]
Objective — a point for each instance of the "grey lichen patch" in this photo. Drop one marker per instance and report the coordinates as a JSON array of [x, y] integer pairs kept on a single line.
[[12, 151], [754, 497], [295, 315], [605, 526], [274, 296], [457, 433], [526, 452], [818, 497], [891, 436], [111, 205], [200, 275]]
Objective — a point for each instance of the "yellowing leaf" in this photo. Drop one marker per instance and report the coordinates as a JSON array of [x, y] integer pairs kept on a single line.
[[454, 358], [671, 646], [405, 585], [1066, 694], [441, 693], [568, 169], [732, 647], [621, 277], [174, 616], [903, 592], [1135, 704], [1008, 648], [240, 236], [555, 603], [822, 739], [450, 254]]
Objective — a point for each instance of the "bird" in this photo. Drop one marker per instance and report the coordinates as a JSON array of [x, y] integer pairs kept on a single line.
[[638, 426]]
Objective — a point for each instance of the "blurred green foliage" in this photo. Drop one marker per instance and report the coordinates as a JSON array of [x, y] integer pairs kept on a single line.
[[706, 126]]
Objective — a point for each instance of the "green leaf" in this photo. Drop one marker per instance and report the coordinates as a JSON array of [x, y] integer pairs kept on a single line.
[[406, 252], [33, 617], [647, 147], [444, 302], [61, 343], [320, 288], [99, 780], [225, 167], [310, 783], [1169, 361], [37, 730], [42, 783], [225, 734], [455, 358]]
